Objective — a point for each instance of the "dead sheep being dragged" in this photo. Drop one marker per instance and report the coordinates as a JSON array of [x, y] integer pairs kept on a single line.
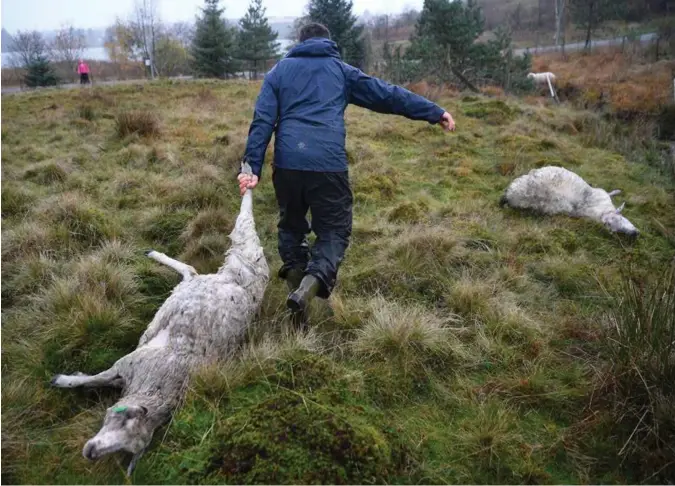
[[555, 190], [202, 321]]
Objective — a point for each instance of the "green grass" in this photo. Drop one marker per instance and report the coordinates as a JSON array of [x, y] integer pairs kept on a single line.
[[465, 343]]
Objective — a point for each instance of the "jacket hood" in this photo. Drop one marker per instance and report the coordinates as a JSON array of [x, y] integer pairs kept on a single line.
[[315, 47]]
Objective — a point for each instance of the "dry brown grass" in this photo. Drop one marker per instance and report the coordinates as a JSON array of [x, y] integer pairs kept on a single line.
[[141, 123], [621, 80]]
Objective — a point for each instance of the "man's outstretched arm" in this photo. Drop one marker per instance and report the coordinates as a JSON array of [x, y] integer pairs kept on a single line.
[[259, 134], [377, 95]]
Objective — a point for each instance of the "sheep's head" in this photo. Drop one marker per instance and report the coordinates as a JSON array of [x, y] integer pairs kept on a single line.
[[616, 223], [125, 428], [530, 76]]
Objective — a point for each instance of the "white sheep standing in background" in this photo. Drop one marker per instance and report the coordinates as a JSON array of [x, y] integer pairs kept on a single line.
[[555, 190], [542, 78], [202, 321]]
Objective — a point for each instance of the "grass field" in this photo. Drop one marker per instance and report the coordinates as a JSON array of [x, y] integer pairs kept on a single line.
[[464, 344]]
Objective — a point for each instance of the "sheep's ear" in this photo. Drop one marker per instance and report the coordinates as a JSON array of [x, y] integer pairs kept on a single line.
[[620, 208]]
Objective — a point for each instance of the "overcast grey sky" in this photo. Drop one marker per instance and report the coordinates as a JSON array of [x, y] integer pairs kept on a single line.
[[50, 14]]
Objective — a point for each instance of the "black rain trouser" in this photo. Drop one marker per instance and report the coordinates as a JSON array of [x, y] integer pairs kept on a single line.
[[328, 197]]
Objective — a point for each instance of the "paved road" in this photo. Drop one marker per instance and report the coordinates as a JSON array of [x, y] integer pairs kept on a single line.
[[577, 46]]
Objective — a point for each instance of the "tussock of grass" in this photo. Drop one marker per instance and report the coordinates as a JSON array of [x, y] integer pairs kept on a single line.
[[28, 276], [47, 173], [259, 359], [16, 201], [409, 212], [115, 252], [210, 220], [640, 381], [84, 222], [29, 239], [205, 95], [498, 447], [494, 112], [86, 112], [164, 226], [141, 123], [206, 252], [408, 333]]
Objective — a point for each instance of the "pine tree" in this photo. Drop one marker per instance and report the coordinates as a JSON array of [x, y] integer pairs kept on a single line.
[[444, 45], [213, 43], [444, 38], [338, 17], [256, 40], [40, 73]]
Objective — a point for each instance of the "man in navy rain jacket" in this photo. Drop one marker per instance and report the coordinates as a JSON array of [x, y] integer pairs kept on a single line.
[[303, 99]]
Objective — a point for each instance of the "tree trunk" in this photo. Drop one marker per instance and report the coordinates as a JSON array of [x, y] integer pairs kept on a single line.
[[466, 82], [538, 20], [658, 41], [564, 28], [507, 72], [590, 25], [560, 22], [557, 22]]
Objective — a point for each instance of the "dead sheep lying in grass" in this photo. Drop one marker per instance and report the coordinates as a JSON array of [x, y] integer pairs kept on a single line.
[[202, 321], [555, 190]]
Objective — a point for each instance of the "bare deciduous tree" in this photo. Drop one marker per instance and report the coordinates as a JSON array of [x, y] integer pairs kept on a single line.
[[26, 47], [67, 47], [183, 33], [148, 28], [560, 6]]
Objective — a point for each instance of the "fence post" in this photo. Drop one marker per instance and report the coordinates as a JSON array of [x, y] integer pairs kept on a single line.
[[550, 87]]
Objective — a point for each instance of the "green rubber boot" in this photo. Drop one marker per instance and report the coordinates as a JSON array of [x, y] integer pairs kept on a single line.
[[293, 278], [299, 299]]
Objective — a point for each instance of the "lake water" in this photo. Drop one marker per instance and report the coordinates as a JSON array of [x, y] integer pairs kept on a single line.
[[100, 54]]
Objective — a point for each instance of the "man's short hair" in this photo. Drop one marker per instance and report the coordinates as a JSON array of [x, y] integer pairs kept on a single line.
[[313, 30]]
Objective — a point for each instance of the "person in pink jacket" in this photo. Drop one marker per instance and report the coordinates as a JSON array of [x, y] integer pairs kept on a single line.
[[83, 71]]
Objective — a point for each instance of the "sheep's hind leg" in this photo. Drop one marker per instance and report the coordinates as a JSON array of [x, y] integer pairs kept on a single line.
[[106, 378], [615, 192], [185, 270]]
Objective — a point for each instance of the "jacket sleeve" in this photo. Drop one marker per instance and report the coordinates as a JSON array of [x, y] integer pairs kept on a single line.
[[377, 95], [264, 120]]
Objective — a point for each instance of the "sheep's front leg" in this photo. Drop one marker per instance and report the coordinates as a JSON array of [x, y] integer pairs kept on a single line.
[[615, 192], [185, 270], [135, 459], [106, 378]]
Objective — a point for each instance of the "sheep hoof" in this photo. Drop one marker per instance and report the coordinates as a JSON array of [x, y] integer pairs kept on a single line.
[[503, 201], [54, 381]]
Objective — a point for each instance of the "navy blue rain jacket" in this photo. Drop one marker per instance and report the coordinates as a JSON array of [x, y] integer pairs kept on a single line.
[[304, 98]]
